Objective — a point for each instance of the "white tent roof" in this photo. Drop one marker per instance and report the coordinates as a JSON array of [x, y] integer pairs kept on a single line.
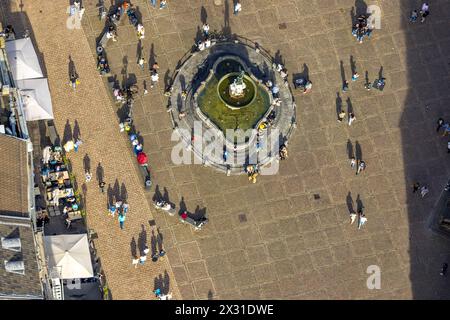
[[69, 253], [23, 60], [36, 99]]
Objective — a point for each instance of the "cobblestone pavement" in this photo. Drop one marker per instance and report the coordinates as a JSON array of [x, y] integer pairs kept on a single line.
[[274, 239], [89, 107]]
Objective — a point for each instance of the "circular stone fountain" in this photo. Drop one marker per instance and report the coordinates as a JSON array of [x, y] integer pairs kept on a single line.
[[228, 99]]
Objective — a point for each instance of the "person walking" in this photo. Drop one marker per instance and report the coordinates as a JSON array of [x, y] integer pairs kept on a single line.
[[345, 86], [352, 217], [101, 185], [440, 123], [142, 259], [341, 115], [141, 63], [361, 167], [362, 218], [424, 191], [425, 11], [77, 144], [205, 29], [140, 31], [154, 78], [413, 16], [162, 4], [237, 7], [355, 76], [121, 220], [353, 162], [88, 176], [351, 118], [153, 3], [112, 210]]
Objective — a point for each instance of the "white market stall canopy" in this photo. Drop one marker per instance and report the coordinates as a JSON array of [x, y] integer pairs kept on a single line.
[[69, 254], [23, 60], [37, 102]]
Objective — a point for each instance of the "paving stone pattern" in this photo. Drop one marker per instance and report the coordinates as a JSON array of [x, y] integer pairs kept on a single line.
[[295, 241]]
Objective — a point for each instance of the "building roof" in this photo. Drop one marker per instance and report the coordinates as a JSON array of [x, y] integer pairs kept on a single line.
[[21, 283], [14, 176]]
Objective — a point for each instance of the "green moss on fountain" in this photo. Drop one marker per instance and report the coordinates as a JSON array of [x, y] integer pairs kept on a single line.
[[256, 100]]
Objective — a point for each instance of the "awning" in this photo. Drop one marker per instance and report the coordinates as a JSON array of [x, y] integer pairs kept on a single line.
[[36, 99], [23, 59], [69, 254]]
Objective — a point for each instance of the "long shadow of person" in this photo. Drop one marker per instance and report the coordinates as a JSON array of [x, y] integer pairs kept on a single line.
[[350, 149], [99, 172], [87, 163], [116, 191], [133, 248], [142, 239], [76, 131], [349, 106], [352, 64], [123, 192], [110, 196], [203, 15], [349, 201], [159, 239], [157, 196], [338, 104], [166, 197], [341, 63], [183, 207], [359, 204], [67, 135], [153, 243], [358, 151]]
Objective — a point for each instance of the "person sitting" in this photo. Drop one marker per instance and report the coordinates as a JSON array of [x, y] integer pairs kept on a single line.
[[201, 46], [262, 126], [119, 95], [379, 84], [138, 148], [275, 91], [111, 33], [308, 87], [271, 117], [277, 102], [300, 82], [284, 74], [283, 152]]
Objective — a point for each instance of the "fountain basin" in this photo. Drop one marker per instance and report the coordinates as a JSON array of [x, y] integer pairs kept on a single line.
[[231, 102]]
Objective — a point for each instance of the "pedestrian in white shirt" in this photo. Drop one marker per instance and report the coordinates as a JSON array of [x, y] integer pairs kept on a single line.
[[351, 118], [237, 7]]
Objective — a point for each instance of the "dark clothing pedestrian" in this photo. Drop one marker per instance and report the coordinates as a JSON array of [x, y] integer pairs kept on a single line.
[[416, 187], [440, 123], [101, 185]]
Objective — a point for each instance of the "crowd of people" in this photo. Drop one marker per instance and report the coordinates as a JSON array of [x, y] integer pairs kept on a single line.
[[423, 12], [361, 28]]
